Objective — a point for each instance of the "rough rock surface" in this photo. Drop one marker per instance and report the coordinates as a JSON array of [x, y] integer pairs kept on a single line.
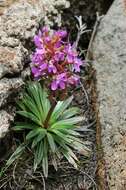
[[7, 88], [19, 21], [11, 60], [5, 120], [109, 55]]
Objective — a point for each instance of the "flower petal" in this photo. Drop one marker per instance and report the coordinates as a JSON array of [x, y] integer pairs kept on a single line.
[[54, 85], [37, 41], [62, 85], [43, 66]]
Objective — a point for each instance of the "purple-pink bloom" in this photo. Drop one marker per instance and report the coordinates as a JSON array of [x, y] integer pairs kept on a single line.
[[59, 82], [35, 72], [51, 67], [71, 53], [37, 41], [55, 59], [59, 56], [74, 79], [47, 39], [77, 64], [61, 33], [36, 58], [43, 66]]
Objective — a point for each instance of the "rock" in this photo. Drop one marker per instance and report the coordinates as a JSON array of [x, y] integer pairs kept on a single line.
[[5, 120], [22, 19], [109, 55], [11, 60], [7, 88], [26, 73], [4, 4]]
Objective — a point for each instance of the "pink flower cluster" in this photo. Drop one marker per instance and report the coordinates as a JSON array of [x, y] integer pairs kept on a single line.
[[55, 59]]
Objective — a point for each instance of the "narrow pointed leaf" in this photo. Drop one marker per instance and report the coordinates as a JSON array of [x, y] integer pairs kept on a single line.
[[16, 154], [71, 121], [51, 142], [61, 106], [38, 155], [38, 138], [34, 132], [70, 113], [23, 126], [45, 158], [69, 158], [30, 116]]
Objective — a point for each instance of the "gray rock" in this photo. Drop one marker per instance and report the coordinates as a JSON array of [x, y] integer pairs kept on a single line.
[[5, 120], [11, 60], [7, 88], [25, 74], [109, 55], [22, 19]]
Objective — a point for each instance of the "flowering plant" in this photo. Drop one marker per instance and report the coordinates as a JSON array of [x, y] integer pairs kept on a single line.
[[50, 124], [55, 59]]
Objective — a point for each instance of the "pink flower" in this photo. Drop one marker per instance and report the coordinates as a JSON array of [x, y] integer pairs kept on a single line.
[[37, 41], [43, 67], [71, 53], [59, 82], [51, 67], [59, 56], [53, 59], [77, 64], [36, 72], [61, 33], [74, 80]]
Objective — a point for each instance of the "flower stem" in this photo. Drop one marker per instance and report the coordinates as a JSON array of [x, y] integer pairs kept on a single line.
[[49, 114]]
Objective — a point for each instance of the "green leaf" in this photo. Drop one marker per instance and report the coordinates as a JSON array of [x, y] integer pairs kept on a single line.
[[70, 113], [51, 142], [58, 140], [59, 109], [62, 136], [39, 138], [34, 93], [30, 104], [62, 127], [45, 103], [38, 155], [21, 105], [68, 156], [30, 116], [16, 154], [75, 139], [71, 121], [69, 132], [58, 133], [35, 132], [22, 126], [45, 158]]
